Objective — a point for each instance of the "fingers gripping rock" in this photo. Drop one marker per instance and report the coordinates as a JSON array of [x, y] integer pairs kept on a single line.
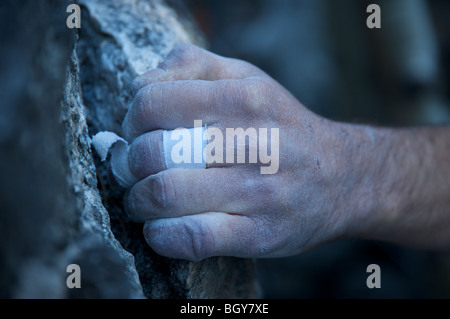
[[108, 142]]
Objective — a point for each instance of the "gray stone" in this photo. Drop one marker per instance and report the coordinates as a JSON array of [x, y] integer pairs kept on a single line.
[[119, 40], [59, 203]]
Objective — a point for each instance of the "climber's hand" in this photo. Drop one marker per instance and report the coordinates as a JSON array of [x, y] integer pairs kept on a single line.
[[234, 209]]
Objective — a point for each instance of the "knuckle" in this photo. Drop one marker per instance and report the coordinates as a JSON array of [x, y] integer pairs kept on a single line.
[[264, 244], [142, 111], [256, 94], [180, 54], [133, 119], [248, 68], [201, 240], [143, 102], [154, 197], [163, 193], [268, 191]]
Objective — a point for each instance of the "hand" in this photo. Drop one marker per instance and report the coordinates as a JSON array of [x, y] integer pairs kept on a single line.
[[233, 209]]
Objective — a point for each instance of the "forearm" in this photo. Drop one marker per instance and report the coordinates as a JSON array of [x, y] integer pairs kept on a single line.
[[402, 180]]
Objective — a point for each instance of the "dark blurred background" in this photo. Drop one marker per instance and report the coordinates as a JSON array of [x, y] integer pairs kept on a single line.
[[323, 52]]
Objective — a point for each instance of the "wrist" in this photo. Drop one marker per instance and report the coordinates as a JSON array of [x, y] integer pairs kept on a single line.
[[369, 198]]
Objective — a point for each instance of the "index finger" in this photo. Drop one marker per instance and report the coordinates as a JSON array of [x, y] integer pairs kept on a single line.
[[189, 62], [169, 105]]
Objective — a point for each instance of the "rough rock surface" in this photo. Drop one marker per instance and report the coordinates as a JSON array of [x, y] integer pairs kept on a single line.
[[119, 40], [59, 203]]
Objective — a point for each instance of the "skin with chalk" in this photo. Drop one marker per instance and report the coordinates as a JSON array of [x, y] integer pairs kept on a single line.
[[334, 180]]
